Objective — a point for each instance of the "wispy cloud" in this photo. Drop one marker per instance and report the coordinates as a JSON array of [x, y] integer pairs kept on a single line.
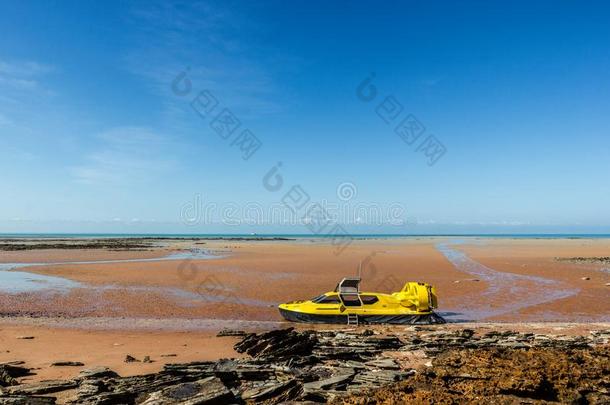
[[22, 75], [125, 155], [473, 223], [22, 86], [207, 39]]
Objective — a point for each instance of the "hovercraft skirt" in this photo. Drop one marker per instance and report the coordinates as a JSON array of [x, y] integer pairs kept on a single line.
[[423, 319]]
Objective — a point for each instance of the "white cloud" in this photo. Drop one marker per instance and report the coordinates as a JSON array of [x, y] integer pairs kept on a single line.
[[23, 76], [206, 39], [125, 155], [22, 87], [474, 223]]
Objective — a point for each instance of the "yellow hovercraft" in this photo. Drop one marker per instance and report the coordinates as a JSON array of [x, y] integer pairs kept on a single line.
[[412, 305]]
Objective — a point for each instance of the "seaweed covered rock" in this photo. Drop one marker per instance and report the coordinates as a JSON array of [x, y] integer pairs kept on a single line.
[[503, 375]]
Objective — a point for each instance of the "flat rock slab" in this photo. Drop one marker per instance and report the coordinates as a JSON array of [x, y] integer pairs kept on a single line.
[[384, 363], [67, 364], [231, 332], [26, 400], [97, 372], [329, 383], [43, 387], [207, 391], [276, 391]]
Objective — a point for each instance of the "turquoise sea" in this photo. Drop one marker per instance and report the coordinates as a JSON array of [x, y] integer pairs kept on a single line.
[[306, 236]]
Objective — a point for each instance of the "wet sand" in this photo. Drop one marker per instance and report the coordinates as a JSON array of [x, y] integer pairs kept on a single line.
[[485, 279], [591, 300], [155, 307]]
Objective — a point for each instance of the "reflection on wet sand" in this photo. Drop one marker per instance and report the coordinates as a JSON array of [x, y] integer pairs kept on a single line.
[[506, 292], [14, 282]]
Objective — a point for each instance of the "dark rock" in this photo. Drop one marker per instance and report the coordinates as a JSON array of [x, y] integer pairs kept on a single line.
[[130, 359], [43, 387], [108, 398], [9, 372], [18, 362], [26, 400], [67, 364], [125, 390], [336, 382], [97, 372], [466, 333], [6, 380], [90, 387], [197, 370], [280, 392], [279, 344], [389, 364], [288, 365], [231, 332], [207, 391], [372, 379]]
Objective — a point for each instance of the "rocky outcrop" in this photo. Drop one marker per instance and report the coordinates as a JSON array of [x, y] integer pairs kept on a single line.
[[362, 366], [580, 259], [110, 243]]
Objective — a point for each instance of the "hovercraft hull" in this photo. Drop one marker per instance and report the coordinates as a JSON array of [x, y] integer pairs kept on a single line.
[[403, 319]]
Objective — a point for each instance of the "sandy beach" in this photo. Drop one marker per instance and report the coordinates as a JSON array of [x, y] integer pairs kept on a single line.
[[172, 298], [477, 279]]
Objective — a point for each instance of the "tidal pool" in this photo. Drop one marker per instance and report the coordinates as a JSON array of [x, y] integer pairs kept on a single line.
[[15, 282]]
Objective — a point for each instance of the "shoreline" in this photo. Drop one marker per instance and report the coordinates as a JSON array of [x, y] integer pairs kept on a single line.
[[70, 237]]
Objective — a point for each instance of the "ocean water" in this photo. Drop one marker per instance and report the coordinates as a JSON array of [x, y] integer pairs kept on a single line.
[[305, 236], [13, 281]]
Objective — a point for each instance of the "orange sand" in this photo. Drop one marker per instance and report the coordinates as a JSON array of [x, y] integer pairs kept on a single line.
[[145, 308], [253, 277], [106, 348]]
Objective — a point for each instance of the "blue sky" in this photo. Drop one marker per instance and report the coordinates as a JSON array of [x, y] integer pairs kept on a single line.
[[93, 139]]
